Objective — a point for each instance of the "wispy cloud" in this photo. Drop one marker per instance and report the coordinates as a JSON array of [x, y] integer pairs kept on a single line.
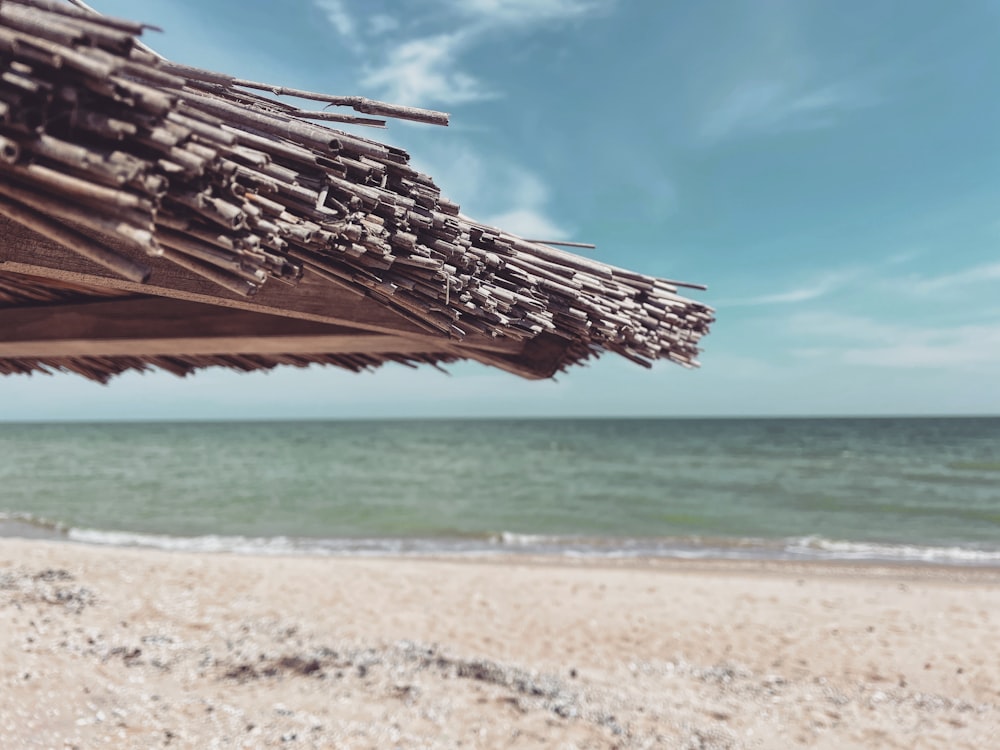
[[338, 16], [765, 75], [859, 340], [527, 212], [429, 69], [501, 195], [954, 348], [959, 280], [772, 107], [425, 71], [528, 222], [838, 327], [820, 287], [526, 11]]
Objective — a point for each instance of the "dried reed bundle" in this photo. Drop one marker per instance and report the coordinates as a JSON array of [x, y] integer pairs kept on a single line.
[[197, 168]]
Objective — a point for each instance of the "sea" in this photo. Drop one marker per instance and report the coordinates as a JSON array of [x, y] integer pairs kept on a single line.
[[900, 490]]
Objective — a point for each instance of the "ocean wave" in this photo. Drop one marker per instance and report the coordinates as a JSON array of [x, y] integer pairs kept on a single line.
[[502, 543], [743, 548], [207, 543], [690, 547], [832, 549], [277, 545], [517, 543]]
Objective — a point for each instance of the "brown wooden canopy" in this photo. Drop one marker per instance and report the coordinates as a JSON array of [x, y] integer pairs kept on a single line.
[[158, 215]]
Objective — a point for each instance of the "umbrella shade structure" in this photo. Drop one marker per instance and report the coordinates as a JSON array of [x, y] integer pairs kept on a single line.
[[154, 214]]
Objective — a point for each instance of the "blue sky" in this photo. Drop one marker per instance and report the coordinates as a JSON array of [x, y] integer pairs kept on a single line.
[[830, 169]]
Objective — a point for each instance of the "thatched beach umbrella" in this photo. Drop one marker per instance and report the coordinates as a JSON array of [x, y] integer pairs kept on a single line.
[[155, 214]]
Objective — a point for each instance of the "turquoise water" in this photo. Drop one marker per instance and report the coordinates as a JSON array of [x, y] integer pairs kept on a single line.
[[922, 489]]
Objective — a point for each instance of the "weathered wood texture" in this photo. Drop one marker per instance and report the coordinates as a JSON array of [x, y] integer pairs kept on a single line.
[[154, 326], [163, 327], [19, 289], [65, 320], [313, 298]]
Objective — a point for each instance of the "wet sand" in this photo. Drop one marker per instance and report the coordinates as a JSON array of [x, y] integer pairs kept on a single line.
[[107, 647]]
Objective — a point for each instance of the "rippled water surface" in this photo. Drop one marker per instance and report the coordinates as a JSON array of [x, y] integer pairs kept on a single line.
[[868, 488]]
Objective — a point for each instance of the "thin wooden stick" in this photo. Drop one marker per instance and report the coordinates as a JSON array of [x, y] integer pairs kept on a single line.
[[563, 243], [233, 283], [52, 179], [357, 103]]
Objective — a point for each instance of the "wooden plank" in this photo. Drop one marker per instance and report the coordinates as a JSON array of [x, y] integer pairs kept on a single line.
[[151, 326], [315, 299], [364, 343], [538, 360], [150, 317], [157, 326]]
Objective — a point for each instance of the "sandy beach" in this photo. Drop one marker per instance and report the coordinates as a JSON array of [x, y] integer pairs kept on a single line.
[[108, 647]]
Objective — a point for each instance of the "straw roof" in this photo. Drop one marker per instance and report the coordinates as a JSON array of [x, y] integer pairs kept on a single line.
[[156, 214]]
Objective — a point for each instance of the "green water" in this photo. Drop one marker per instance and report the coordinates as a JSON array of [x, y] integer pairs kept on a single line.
[[589, 485]]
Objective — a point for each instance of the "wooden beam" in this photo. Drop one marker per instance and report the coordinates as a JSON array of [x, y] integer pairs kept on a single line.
[[313, 298], [538, 360], [150, 326], [149, 317], [364, 343]]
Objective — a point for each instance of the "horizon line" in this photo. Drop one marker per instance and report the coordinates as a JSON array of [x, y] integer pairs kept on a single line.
[[474, 418]]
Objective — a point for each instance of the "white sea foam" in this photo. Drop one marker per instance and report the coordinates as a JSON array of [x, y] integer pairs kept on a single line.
[[818, 547], [803, 548], [513, 539], [208, 543], [280, 545]]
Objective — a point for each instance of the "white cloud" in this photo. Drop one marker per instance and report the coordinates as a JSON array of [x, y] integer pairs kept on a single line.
[[495, 192], [337, 14], [343, 22], [525, 187], [956, 347], [458, 169], [801, 294], [528, 222], [821, 287], [770, 107], [423, 72], [856, 340], [508, 196], [824, 326], [764, 74], [526, 11], [524, 197], [428, 70], [989, 272]]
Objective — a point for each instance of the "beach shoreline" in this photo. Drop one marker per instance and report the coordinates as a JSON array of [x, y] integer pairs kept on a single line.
[[124, 647], [509, 545]]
